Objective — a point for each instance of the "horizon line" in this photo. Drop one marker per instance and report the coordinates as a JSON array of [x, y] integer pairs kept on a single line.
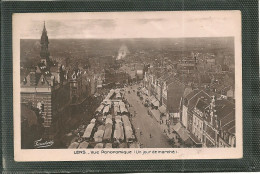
[[138, 38]]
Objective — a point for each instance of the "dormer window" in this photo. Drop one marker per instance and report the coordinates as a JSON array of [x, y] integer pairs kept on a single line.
[[24, 81], [42, 81]]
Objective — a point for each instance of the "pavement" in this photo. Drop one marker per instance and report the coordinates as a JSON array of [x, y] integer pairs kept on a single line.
[[146, 124]]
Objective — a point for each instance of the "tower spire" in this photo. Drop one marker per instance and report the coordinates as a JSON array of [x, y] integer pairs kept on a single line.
[[44, 46]]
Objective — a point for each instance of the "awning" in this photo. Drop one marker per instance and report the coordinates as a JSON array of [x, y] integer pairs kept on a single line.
[[106, 109], [116, 109], [101, 127], [74, 145], [99, 135], [108, 132], [118, 117], [93, 121], [129, 133], [83, 145], [152, 98], [162, 109], [156, 114], [177, 126], [88, 131], [134, 145], [145, 91], [118, 95], [109, 116], [121, 103], [109, 121], [194, 139], [183, 133], [108, 145], [170, 136], [99, 145], [123, 109], [156, 103], [126, 121], [99, 109]]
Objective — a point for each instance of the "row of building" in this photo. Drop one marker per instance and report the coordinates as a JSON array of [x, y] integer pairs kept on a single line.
[[208, 117]]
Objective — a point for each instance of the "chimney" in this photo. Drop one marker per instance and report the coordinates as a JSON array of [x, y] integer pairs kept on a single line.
[[52, 80]]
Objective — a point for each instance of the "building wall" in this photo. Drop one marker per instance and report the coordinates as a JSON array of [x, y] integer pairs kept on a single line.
[[60, 98], [197, 127], [210, 138], [190, 121], [40, 99], [222, 143], [185, 116]]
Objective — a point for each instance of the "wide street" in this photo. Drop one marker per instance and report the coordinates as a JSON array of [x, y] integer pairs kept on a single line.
[[145, 123]]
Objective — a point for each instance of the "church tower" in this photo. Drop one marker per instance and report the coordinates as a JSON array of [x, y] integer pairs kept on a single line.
[[44, 47]]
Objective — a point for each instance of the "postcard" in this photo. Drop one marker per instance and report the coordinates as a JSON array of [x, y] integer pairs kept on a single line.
[[127, 85]]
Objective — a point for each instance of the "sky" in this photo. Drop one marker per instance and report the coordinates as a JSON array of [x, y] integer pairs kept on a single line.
[[128, 24]]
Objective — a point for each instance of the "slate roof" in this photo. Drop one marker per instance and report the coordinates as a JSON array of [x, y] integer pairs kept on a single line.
[[225, 112], [174, 95], [202, 104], [193, 97]]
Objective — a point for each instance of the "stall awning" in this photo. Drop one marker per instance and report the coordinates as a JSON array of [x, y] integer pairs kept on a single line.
[[83, 145], [156, 103], [181, 131], [100, 108], [152, 99], [106, 109], [162, 109], [177, 126], [74, 145], [93, 121], [144, 91], [109, 121]]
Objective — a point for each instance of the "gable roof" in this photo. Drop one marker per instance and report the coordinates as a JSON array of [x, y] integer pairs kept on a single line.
[[165, 76], [194, 96], [43, 82], [202, 104]]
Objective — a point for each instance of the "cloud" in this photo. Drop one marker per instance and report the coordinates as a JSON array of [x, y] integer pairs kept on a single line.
[[129, 25]]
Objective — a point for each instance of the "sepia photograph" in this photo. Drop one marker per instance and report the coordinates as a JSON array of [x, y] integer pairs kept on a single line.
[[156, 81]]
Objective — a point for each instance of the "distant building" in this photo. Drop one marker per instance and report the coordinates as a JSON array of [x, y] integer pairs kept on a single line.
[[187, 65], [139, 69]]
